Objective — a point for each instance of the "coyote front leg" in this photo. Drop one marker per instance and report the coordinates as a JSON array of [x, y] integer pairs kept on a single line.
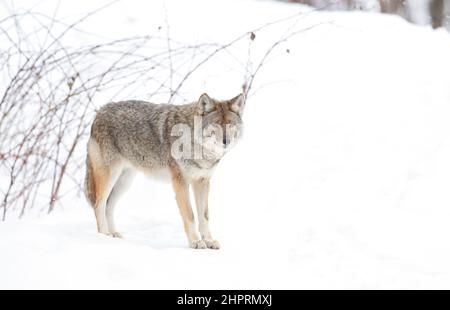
[[181, 189], [201, 191]]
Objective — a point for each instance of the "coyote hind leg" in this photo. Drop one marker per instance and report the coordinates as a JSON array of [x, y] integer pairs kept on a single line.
[[120, 187], [104, 177], [105, 180]]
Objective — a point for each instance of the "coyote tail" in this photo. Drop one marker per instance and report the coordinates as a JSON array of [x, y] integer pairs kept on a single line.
[[89, 182]]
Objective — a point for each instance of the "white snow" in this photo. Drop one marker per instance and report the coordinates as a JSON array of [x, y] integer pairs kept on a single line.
[[342, 179]]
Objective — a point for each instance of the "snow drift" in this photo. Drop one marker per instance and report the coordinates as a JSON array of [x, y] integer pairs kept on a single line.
[[341, 181]]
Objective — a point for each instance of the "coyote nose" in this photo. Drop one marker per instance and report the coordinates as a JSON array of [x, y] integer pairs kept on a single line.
[[226, 141]]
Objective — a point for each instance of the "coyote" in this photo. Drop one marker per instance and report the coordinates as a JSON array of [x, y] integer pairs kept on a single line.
[[130, 136]]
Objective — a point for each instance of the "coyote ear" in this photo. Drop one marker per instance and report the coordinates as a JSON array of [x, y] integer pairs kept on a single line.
[[205, 104], [237, 104]]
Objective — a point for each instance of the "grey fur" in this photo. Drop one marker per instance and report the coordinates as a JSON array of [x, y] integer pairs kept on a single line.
[[138, 135]]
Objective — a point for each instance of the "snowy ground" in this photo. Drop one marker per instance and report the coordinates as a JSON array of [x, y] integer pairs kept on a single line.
[[341, 181]]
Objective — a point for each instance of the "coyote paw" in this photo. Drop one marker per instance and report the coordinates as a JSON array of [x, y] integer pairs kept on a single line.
[[115, 234], [199, 244], [212, 244]]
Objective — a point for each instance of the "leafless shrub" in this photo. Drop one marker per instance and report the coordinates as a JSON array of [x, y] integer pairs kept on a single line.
[[48, 87]]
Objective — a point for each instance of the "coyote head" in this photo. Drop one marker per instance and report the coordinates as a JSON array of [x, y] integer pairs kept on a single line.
[[221, 121]]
